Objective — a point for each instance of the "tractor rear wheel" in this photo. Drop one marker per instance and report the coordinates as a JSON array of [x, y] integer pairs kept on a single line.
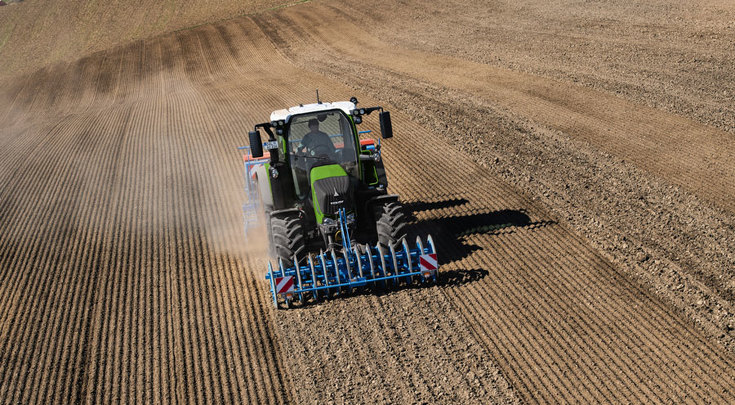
[[287, 233], [391, 224]]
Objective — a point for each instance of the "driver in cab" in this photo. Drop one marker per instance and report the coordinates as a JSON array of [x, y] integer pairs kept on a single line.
[[316, 141]]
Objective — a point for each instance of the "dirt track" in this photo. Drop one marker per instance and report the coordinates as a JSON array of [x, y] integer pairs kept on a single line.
[[125, 276]]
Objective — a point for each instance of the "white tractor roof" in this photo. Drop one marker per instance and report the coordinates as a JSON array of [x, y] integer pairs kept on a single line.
[[286, 113]]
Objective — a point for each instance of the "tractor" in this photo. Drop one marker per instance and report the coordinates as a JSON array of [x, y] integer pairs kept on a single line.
[[331, 224]]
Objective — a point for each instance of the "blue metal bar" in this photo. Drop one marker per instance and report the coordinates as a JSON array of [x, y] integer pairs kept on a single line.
[[273, 284], [401, 257], [359, 282], [346, 244]]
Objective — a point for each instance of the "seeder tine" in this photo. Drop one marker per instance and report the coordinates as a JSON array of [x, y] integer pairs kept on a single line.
[[349, 269], [396, 269], [383, 268], [370, 261], [407, 257], [300, 285], [348, 266], [313, 278], [272, 278], [420, 248], [281, 269], [336, 269], [407, 252], [430, 242], [324, 269], [358, 260]]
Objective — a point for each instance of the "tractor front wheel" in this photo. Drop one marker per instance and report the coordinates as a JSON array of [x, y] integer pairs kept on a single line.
[[287, 233], [391, 224]]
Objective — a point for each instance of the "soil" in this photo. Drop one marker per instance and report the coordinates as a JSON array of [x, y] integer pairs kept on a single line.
[[586, 255], [543, 136], [41, 32], [672, 55]]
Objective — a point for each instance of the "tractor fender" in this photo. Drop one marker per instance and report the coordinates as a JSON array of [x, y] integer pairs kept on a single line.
[[287, 211], [264, 186], [380, 200], [383, 198]]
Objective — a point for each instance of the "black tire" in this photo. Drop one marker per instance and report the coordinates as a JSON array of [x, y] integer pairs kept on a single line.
[[287, 233], [391, 224]]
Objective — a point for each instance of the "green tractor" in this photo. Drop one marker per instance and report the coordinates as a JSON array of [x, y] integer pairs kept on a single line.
[[331, 223]]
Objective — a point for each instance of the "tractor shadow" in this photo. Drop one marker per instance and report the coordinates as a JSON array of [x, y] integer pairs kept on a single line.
[[452, 233]]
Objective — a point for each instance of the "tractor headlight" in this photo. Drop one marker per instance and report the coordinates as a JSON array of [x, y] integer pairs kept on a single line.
[[274, 172]]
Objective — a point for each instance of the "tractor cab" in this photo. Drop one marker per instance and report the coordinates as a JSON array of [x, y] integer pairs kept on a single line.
[[320, 139]]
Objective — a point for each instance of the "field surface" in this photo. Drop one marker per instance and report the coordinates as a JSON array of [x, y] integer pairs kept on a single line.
[[573, 162]]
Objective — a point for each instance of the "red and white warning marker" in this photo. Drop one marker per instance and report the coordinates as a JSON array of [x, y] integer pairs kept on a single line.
[[284, 285], [428, 264]]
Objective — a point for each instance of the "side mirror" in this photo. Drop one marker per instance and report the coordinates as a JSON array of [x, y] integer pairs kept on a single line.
[[256, 145], [386, 128]]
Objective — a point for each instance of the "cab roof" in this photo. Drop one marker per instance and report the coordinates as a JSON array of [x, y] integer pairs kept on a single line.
[[285, 114]]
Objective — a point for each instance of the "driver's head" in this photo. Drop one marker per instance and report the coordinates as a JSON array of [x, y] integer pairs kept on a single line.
[[313, 125]]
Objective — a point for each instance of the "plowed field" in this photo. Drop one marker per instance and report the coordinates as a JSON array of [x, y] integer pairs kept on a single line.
[[125, 277]]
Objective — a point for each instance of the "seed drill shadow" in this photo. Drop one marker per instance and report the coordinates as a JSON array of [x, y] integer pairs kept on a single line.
[[451, 233]]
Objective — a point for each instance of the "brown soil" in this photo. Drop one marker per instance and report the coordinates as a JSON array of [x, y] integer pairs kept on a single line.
[[673, 55], [126, 277], [592, 174], [36, 33]]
